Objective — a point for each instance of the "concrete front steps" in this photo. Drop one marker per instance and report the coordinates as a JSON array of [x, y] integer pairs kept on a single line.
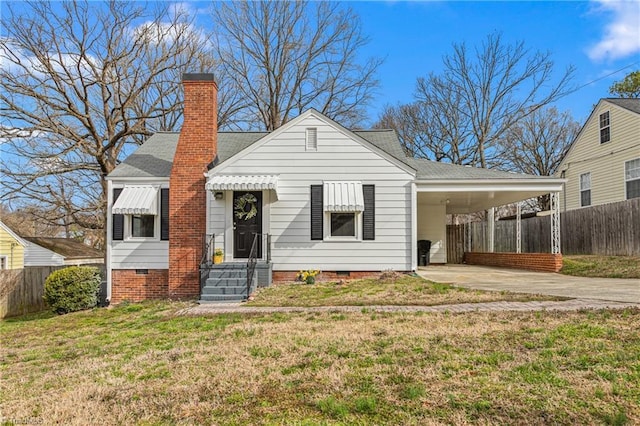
[[227, 282]]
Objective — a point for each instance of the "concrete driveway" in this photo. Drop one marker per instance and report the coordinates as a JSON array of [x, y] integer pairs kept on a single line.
[[498, 279]]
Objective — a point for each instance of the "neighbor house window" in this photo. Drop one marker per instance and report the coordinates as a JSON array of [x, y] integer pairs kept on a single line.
[[3, 263], [585, 189], [312, 139], [632, 178], [343, 224], [605, 129], [143, 226]]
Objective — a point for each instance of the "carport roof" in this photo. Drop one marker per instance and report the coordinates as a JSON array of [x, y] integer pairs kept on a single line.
[[428, 170]]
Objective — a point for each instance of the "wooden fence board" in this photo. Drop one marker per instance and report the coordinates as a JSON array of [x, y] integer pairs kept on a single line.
[[608, 229]]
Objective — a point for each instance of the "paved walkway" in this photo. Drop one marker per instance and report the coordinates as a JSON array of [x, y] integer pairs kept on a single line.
[[518, 281], [567, 305]]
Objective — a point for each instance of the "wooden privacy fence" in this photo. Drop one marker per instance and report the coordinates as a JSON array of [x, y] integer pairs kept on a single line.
[[608, 229], [21, 290]]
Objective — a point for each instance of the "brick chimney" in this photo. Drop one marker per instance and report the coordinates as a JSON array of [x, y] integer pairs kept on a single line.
[[197, 147]]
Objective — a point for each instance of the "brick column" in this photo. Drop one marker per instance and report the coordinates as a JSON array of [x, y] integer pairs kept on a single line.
[[197, 147]]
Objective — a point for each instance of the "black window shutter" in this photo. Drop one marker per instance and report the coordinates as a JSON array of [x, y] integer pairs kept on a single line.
[[164, 214], [369, 214], [317, 214], [118, 219]]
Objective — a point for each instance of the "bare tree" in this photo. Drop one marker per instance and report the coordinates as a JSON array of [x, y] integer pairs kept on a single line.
[[81, 82], [629, 87], [537, 144], [286, 57], [460, 115], [499, 85]]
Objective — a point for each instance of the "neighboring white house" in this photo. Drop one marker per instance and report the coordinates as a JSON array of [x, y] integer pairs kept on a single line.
[[328, 198], [603, 162], [50, 251], [17, 252]]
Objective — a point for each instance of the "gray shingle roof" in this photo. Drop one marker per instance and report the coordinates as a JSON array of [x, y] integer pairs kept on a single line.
[[431, 170], [631, 104], [155, 157]]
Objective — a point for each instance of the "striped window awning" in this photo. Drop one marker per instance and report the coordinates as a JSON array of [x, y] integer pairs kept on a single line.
[[137, 199], [343, 197], [242, 183]]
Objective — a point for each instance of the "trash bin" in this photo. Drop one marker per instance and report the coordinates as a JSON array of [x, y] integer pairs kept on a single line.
[[424, 249]]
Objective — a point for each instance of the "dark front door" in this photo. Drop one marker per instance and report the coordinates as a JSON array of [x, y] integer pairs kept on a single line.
[[247, 221]]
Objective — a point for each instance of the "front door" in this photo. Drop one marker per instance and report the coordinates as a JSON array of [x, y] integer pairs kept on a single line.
[[247, 221]]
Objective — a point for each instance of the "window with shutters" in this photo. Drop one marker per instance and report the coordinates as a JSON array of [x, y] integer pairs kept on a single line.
[[342, 225], [143, 226]]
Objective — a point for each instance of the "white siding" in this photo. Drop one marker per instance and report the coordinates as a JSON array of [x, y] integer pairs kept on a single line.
[[139, 254], [217, 218], [287, 219], [604, 161], [432, 226], [35, 255]]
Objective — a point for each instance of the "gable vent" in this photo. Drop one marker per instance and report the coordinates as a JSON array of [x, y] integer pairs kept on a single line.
[[312, 139]]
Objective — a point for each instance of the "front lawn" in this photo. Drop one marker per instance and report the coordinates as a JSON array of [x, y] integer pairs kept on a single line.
[[396, 289], [601, 266], [143, 364]]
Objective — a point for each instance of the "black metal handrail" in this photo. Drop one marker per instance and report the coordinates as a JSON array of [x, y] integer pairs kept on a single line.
[[251, 263], [207, 256]]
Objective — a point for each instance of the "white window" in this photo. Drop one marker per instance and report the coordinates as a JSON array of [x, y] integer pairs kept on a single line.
[[585, 189], [312, 139], [3, 263], [632, 178], [143, 226], [343, 225], [605, 129]]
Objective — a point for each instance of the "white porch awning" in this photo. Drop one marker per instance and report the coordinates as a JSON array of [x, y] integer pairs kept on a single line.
[[343, 196], [137, 199], [242, 183]]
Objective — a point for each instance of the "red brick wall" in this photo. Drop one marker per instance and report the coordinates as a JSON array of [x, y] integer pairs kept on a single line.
[[542, 262], [288, 276], [197, 147], [127, 285]]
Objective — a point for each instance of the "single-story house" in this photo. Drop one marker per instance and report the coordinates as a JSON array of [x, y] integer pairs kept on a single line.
[[63, 251], [17, 252], [308, 195]]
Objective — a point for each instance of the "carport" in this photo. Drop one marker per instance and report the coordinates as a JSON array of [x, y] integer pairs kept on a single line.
[[442, 190]]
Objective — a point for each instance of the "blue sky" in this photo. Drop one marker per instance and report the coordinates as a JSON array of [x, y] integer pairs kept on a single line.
[[597, 37], [413, 37]]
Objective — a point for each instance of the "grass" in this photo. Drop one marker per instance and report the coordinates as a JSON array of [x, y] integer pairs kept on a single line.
[[143, 364], [399, 290], [601, 266]]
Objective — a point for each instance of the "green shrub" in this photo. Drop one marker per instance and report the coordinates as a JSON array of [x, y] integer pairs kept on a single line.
[[72, 289]]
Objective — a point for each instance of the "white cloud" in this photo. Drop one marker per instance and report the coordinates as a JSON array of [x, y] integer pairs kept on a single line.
[[621, 37]]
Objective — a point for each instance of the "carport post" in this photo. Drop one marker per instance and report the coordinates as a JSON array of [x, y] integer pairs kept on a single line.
[[518, 229], [491, 225], [555, 222]]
